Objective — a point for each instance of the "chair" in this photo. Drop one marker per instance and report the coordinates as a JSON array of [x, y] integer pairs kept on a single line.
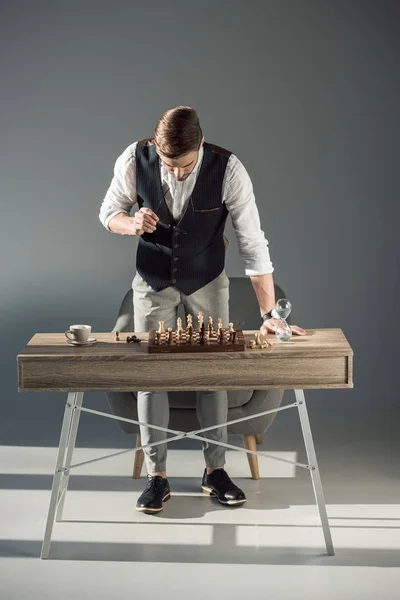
[[244, 313]]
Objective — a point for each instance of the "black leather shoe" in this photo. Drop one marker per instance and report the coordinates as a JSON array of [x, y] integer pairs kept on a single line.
[[155, 493], [219, 484]]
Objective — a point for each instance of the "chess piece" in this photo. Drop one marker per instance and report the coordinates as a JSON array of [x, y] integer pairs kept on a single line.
[[161, 328], [252, 343], [169, 335], [210, 326], [220, 333], [178, 335], [234, 337], [231, 327], [199, 321], [202, 333], [133, 338], [117, 336], [158, 337]]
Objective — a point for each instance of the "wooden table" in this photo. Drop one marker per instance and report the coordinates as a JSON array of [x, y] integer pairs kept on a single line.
[[322, 359]]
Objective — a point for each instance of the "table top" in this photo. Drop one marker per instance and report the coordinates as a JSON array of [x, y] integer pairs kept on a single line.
[[322, 359], [317, 343]]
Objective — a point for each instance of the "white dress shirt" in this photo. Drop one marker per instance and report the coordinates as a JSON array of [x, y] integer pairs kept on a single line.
[[237, 194]]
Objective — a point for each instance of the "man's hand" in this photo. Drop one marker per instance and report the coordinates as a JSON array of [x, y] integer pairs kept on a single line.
[[144, 220], [271, 324]]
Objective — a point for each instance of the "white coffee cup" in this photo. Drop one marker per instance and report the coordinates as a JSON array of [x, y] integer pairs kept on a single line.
[[78, 333]]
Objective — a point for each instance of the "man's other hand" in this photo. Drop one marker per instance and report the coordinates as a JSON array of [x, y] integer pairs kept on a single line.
[[270, 326]]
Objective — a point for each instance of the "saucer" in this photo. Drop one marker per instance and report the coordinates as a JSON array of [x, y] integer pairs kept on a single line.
[[88, 342]]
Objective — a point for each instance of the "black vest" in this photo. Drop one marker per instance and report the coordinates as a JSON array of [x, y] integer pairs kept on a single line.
[[191, 258]]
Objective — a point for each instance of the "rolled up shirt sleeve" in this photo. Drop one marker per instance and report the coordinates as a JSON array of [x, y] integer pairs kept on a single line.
[[239, 199], [121, 195]]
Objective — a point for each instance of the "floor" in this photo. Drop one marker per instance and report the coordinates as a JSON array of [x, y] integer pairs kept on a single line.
[[272, 546]]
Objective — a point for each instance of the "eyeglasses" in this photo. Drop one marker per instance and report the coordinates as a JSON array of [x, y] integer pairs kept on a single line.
[[172, 227]]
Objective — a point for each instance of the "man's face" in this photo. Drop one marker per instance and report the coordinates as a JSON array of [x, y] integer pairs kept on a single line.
[[180, 168]]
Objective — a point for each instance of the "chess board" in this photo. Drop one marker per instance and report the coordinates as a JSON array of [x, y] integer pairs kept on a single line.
[[211, 344]]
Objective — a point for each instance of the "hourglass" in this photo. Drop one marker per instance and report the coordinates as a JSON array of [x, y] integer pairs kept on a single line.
[[283, 330]]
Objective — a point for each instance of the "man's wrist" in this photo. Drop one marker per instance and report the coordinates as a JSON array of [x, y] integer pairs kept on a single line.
[[272, 314]]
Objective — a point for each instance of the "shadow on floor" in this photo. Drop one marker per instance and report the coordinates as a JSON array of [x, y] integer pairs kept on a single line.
[[222, 551]]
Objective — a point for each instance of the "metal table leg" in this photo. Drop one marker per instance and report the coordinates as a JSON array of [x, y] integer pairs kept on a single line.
[[71, 446], [66, 431], [314, 470], [67, 443]]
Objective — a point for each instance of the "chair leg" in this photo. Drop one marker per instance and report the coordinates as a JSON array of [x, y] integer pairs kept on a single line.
[[259, 439], [249, 442], [139, 458]]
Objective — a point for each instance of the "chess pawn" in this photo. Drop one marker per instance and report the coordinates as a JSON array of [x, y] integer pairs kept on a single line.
[[161, 328], [169, 335], [220, 326], [230, 326], [189, 321]]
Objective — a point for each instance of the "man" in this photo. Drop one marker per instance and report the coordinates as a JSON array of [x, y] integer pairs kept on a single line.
[[185, 188]]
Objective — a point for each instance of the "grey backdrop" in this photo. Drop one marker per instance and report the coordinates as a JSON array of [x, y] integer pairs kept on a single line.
[[305, 93]]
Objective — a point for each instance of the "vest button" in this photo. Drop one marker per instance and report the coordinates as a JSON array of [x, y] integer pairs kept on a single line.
[[174, 270], [174, 281], [176, 258], [176, 233], [176, 245]]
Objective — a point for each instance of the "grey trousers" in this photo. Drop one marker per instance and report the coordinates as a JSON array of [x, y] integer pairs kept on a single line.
[[150, 307]]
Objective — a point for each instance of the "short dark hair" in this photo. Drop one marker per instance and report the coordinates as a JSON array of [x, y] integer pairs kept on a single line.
[[178, 132]]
